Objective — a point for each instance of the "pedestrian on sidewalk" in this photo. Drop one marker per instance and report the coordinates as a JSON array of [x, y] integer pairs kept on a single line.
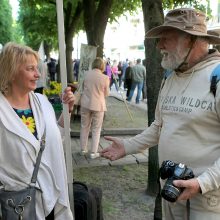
[[120, 74], [114, 77], [138, 76], [128, 80], [187, 117], [93, 106], [108, 70], [52, 69]]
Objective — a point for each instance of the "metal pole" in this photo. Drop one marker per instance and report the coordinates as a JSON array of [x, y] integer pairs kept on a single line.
[[63, 72]]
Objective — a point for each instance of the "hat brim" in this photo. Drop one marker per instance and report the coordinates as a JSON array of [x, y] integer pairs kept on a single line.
[[157, 33]]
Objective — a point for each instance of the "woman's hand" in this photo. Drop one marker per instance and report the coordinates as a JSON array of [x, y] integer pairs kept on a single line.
[[68, 98]]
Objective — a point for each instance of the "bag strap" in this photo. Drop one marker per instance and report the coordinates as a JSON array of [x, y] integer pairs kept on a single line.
[[214, 78], [166, 73], [42, 147], [37, 164]]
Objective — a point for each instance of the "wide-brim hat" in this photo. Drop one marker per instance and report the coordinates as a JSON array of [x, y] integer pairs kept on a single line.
[[188, 20]]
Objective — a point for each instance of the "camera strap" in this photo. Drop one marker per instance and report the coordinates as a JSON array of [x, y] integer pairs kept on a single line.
[[188, 209], [158, 201]]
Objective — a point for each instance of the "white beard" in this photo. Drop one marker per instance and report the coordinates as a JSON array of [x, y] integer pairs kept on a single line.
[[172, 59]]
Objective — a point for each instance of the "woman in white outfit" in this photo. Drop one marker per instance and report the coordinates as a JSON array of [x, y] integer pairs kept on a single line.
[[24, 116]]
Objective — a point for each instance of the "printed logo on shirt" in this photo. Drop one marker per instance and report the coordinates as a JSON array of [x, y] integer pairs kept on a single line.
[[185, 104], [212, 201]]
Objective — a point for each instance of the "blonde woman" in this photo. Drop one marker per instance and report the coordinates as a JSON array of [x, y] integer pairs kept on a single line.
[[93, 106], [24, 117]]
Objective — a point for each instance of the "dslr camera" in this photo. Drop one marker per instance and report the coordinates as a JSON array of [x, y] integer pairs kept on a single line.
[[173, 171]]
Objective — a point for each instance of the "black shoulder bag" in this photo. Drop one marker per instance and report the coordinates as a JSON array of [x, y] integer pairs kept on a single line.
[[20, 205]]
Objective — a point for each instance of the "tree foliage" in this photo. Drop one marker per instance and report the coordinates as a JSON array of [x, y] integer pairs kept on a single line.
[[42, 25], [5, 21], [39, 23], [171, 4], [98, 13]]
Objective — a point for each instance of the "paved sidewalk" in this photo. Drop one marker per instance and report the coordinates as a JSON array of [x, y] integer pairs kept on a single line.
[[85, 161]]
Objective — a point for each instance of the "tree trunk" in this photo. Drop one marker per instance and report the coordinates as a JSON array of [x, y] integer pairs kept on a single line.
[[153, 16], [95, 22], [47, 49], [72, 18], [69, 60]]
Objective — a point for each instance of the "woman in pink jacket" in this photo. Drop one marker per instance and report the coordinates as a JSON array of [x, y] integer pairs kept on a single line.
[[93, 106]]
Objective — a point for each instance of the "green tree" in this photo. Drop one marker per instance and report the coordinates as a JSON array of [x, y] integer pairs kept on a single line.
[[5, 21], [153, 16], [17, 33], [43, 26], [38, 24], [98, 13]]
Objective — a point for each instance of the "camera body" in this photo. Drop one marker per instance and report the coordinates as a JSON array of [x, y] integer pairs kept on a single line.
[[173, 171]]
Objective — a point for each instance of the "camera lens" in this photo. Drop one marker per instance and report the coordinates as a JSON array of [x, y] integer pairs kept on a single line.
[[170, 192]]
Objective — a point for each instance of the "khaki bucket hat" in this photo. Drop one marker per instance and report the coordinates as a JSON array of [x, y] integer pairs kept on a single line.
[[187, 20]]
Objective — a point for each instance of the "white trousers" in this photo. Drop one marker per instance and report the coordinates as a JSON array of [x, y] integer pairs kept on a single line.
[[94, 120]]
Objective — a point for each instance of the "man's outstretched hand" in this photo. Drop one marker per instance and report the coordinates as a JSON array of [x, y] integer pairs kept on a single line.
[[116, 149]]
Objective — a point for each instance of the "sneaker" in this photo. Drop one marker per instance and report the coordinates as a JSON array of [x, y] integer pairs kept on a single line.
[[83, 152], [94, 155]]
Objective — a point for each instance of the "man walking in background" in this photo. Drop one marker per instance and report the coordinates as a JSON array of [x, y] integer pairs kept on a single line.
[[52, 69], [138, 76], [127, 79]]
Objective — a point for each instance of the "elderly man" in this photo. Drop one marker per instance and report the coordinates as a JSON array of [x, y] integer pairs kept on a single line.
[[187, 116]]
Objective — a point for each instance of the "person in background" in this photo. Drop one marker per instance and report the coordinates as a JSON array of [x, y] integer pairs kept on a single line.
[[120, 74], [93, 106], [128, 80], [42, 81], [138, 77], [114, 78], [52, 68], [76, 70], [144, 89], [187, 117], [125, 64], [24, 117], [108, 70]]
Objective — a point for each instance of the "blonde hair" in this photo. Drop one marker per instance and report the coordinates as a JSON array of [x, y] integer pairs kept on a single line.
[[98, 63], [11, 57]]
